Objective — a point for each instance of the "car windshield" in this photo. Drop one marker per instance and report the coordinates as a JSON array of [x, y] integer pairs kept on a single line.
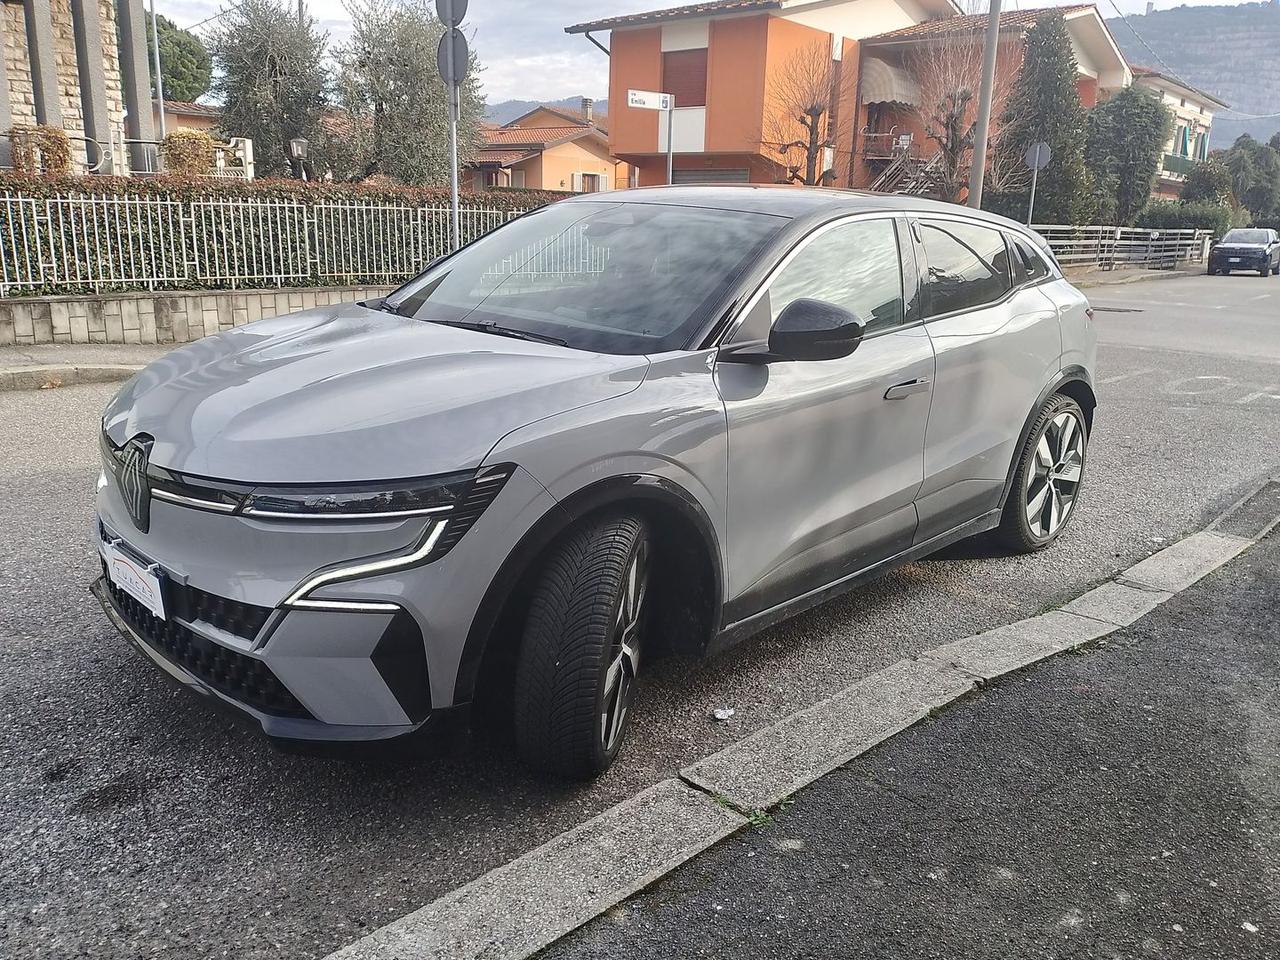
[[1246, 236], [625, 278]]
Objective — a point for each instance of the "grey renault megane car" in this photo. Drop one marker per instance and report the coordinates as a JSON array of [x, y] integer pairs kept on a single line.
[[622, 425]]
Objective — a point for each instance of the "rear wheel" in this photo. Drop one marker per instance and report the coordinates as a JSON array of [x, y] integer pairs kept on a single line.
[[1212, 272], [581, 649], [1048, 478]]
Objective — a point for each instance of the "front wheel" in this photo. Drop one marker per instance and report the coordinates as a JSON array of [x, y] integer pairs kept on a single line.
[[581, 649], [1047, 482]]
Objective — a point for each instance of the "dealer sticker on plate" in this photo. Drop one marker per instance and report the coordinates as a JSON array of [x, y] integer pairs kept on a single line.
[[139, 581]]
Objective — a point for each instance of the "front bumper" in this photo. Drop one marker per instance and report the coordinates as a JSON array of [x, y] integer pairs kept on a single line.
[[1243, 261], [278, 714]]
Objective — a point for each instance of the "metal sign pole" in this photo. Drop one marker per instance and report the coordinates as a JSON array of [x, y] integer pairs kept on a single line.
[[455, 231], [671, 112], [1035, 175], [452, 46], [155, 31]]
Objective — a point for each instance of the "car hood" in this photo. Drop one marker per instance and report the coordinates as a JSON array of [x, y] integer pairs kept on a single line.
[[1240, 247], [351, 393]]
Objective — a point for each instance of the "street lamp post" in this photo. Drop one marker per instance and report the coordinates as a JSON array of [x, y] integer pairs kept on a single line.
[[978, 167]]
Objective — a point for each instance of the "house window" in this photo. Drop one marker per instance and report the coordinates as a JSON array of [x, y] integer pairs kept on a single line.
[[684, 76], [517, 178]]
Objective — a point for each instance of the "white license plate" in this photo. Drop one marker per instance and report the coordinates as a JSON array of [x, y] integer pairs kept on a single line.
[[139, 581], [1233, 260]]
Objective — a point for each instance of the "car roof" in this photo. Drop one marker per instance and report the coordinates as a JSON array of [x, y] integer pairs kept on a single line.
[[784, 200]]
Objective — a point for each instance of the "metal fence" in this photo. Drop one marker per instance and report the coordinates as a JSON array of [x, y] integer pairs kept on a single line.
[[1109, 247], [100, 243]]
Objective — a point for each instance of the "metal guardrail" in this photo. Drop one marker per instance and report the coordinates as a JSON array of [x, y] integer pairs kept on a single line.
[[1109, 247], [99, 243]]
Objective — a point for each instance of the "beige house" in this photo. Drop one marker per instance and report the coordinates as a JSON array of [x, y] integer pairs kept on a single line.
[[80, 65], [548, 149], [1192, 111], [183, 113]]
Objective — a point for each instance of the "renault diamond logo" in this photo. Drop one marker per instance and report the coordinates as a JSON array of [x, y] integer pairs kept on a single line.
[[135, 488]]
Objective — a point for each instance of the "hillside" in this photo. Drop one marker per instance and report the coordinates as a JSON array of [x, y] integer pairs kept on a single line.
[[1231, 52], [508, 110]]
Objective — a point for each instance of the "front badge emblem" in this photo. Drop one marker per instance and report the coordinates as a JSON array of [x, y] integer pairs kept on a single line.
[[135, 488]]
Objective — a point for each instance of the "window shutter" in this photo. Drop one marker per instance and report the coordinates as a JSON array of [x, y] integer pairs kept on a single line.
[[684, 75], [577, 183]]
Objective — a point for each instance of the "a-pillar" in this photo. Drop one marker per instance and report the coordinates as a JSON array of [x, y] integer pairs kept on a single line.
[[87, 25], [135, 76]]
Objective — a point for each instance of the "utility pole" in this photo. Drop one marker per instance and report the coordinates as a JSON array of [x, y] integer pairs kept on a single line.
[[302, 13], [155, 33], [978, 168]]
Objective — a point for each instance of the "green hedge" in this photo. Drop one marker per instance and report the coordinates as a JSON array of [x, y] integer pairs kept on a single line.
[[180, 188], [1183, 215]]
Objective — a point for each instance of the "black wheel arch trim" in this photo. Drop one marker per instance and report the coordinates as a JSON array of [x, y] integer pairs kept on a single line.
[[1067, 375], [623, 488]]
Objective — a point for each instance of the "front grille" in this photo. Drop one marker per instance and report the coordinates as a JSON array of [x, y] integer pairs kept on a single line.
[[191, 603], [243, 678]]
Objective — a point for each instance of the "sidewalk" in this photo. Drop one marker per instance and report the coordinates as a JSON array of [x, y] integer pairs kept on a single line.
[[1122, 802], [49, 365], [1094, 276]]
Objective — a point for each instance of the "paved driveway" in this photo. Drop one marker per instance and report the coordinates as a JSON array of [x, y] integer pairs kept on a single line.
[[139, 824]]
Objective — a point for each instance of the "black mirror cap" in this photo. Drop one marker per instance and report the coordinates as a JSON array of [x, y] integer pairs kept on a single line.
[[815, 330]]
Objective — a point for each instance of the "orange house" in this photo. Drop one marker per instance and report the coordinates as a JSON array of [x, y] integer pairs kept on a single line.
[[734, 66], [548, 149], [905, 72]]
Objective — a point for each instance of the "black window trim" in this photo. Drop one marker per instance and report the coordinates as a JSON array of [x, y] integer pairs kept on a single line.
[[1010, 240], [749, 303], [923, 259]]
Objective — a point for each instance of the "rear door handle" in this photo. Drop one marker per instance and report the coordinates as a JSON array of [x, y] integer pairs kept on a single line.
[[901, 390]]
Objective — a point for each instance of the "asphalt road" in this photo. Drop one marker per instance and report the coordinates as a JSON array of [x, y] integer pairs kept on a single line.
[[139, 824], [1122, 802]]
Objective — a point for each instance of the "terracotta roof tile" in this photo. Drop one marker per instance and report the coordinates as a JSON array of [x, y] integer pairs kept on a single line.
[[502, 158], [690, 11], [532, 136], [192, 109], [972, 22]]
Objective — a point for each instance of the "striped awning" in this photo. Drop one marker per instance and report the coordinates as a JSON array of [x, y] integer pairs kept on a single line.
[[884, 83]]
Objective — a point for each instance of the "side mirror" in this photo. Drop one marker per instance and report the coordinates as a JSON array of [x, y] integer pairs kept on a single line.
[[815, 330]]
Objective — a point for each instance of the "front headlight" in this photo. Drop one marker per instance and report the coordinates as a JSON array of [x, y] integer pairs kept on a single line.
[[374, 501]]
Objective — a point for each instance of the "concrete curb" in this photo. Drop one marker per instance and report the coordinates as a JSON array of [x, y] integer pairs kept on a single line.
[[520, 908], [47, 376]]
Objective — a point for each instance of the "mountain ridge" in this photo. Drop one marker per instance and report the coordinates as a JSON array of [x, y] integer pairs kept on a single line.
[[1232, 52]]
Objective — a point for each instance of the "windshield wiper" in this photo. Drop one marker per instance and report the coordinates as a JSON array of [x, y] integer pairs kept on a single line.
[[502, 331]]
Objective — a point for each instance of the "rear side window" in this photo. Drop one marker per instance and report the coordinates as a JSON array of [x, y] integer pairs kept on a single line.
[[1028, 263], [854, 265], [968, 266]]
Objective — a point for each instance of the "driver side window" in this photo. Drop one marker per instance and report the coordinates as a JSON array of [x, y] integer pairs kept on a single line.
[[855, 266]]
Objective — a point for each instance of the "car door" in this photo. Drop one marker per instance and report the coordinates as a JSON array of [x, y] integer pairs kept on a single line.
[[826, 456], [997, 345]]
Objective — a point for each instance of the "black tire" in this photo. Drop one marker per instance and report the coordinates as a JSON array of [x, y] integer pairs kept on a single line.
[[1265, 271], [1212, 272], [1276, 269], [572, 649], [1016, 531]]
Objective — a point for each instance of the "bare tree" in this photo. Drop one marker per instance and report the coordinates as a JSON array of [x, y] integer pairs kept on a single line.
[[803, 117], [949, 74]]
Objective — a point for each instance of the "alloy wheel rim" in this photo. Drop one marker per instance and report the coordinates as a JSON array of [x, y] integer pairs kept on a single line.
[[1056, 471], [624, 664]]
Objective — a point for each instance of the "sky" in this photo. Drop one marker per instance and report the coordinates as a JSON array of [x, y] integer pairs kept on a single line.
[[522, 45]]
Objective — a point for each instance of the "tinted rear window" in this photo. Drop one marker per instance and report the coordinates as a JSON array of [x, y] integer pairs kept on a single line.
[[968, 266]]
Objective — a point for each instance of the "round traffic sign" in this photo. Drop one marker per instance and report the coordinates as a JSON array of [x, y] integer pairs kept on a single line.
[[451, 12], [1038, 156], [461, 56]]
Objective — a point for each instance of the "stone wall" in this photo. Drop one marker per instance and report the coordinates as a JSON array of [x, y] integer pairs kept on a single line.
[[21, 95], [169, 317], [22, 100]]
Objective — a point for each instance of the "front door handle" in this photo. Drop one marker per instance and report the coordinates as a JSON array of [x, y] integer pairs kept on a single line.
[[901, 390]]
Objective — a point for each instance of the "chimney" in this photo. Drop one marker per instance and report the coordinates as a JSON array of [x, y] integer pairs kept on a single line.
[[587, 108], [1151, 7]]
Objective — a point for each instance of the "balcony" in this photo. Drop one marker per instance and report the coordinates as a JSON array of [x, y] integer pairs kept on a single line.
[[1177, 166]]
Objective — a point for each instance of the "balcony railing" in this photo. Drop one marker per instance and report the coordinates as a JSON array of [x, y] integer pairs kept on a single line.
[[886, 146], [1178, 166]]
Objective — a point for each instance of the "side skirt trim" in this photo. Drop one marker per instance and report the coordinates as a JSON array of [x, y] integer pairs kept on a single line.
[[740, 630]]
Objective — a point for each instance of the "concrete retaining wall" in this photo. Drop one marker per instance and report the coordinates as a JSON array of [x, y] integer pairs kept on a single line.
[[169, 317]]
